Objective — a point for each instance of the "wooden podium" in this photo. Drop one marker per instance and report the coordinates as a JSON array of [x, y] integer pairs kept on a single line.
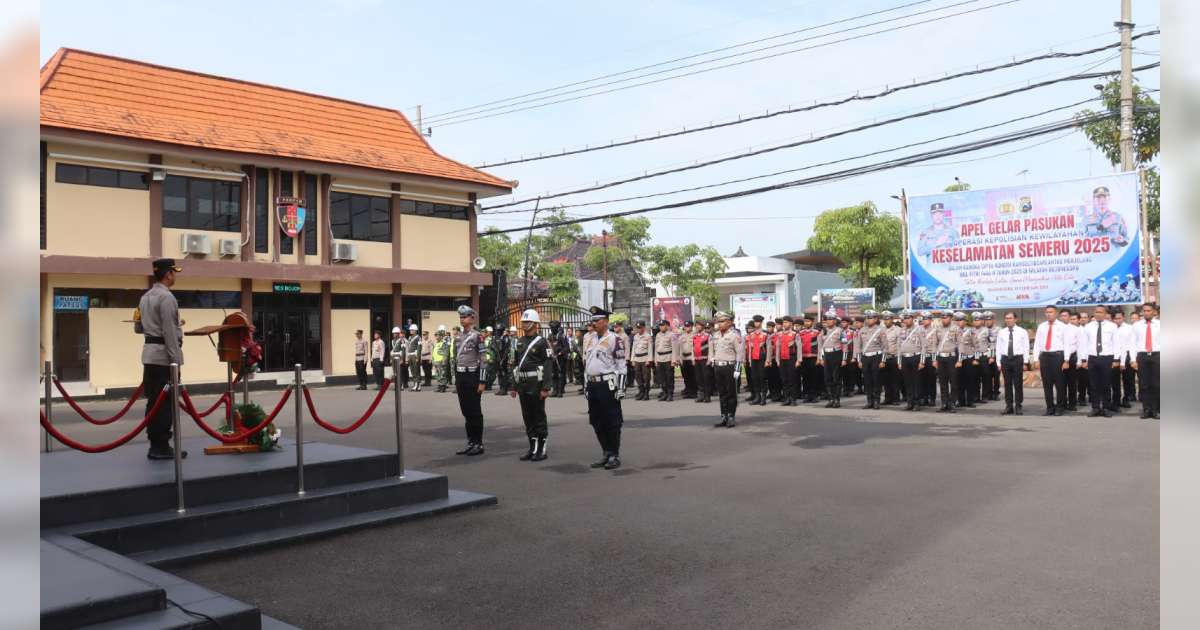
[[229, 351]]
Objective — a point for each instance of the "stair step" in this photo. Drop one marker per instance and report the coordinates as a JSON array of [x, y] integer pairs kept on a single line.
[[178, 554], [77, 590], [143, 532], [271, 623], [227, 617]]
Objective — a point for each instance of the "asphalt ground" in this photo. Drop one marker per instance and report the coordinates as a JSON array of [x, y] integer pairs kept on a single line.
[[801, 517]]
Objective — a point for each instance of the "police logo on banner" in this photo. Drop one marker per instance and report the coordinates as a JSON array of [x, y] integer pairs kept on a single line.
[[291, 215]]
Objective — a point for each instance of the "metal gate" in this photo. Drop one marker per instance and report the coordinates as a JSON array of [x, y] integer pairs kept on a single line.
[[572, 316]]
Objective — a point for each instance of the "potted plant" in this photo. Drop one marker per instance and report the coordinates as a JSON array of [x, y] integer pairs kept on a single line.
[[250, 415]]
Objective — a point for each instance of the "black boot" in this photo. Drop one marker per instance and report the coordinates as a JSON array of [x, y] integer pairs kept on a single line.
[[466, 449], [539, 452], [724, 421], [731, 422], [532, 447], [613, 463], [603, 460], [475, 450]]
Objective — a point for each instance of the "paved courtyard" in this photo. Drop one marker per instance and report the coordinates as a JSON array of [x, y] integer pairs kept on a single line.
[[801, 517]]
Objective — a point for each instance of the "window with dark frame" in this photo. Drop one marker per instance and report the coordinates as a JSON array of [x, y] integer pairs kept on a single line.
[[436, 210], [311, 231], [262, 209], [202, 204], [286, 243], [360, 217], [97, 176], [44, 155]]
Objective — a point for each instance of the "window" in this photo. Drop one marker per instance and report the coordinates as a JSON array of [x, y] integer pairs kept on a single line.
[[310, 220], [96, 176], [262, 209], [202, 204], [360, 217], [431, 303], [437, 210], [375, 302], [286, 243], [209, 299], [43, 191]]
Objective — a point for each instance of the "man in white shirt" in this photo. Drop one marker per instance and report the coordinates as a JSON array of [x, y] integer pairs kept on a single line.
[[1098, 352], [1145, 346], [1070, 375], [1050, 346], [1123, 383], [1012, 351], [1081, 388]]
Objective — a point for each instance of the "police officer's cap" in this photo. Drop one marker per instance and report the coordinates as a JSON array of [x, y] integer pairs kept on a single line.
[[166, 264], [512, 329], [640, 324], [722, 316], [413, 327], [871, 313], [395, 330], [689, 323], [937, 207], [906, 314], [989, 315], [770, 323], [959, 316], [441, 328], [465, 311], [554, 323], [598, 313], [859, 318], [888, 314], [758, 318], [926, 315], [663, 322], [786, 318], [531, 315], [1100, 190]]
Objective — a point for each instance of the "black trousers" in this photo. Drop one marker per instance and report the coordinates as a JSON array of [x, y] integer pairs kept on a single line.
[[851, 376], [1054, 380], [533, 410], [1082, 385], [947, 379], [1071, 378], [360, 369], [604, 414], [643, 377], [968, 384], [427, 368], [1114, 397], [1014, 385], [929, 380], [154, 378], [560, 376], [710, 383], [993, 380], [757, 376], [665, 372], [787, 378], [833, 373], [466, 385], [1129, 383], [1100, 381], [910, 370], [688, 370], [1148, 367], [871, 367], [889, 375], [700, 374], [811, 378], [726, 388], [774, 381], [377, 367]]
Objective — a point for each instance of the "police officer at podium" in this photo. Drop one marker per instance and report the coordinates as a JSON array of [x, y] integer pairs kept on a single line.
[[157, 319]]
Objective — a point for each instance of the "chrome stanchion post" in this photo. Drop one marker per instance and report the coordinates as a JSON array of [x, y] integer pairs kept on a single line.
[[229, 393], [245, 381], [299, 433], [399, 421], [177, 438], [47, 375]]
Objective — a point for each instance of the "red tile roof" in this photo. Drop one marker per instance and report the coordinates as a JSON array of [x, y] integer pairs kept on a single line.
[[97, 93]]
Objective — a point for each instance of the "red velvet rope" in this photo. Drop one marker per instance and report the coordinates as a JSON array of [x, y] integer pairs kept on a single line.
[[100, 448], [99, 421], [203, 414], [233, 438], [358, 423]]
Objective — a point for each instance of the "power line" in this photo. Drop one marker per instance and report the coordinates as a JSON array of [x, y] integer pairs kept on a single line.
[[728, 65], [996, 155], [675, 60], [837, 175], [811, 166], [793, 110], [888, 121]]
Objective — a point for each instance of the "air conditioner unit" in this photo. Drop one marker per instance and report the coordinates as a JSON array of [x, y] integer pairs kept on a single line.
[[344, 252], [196, 244], [230, 247]]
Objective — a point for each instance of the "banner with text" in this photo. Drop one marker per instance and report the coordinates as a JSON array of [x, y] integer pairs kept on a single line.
[[744, 306], [1073, 243], [845, 302], [675, 310]]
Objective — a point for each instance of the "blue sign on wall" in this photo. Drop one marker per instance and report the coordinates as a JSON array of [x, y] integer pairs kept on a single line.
[[71, 303]]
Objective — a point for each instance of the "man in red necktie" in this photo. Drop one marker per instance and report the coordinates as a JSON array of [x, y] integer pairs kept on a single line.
[[1050, 344]]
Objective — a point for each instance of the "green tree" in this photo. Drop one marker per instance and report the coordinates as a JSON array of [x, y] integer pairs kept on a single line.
[[867, 240], [563, 285], [628, 237], [958, 186], [686, 270], [553, 240], [501, 252], [1105, 134]]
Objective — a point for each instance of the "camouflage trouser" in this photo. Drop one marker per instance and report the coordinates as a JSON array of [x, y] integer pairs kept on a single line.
[[443, 375]]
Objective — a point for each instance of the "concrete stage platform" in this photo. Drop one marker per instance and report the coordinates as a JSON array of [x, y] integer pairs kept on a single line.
[[106, 516]]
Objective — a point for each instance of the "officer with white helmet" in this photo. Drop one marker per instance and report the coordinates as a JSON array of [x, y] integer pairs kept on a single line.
[[412, 357], [399, 362], [533, 373]]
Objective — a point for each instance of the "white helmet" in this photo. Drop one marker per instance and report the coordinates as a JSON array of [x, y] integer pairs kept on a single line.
[[530, 315], [489, 329], [441, 328], [395, 329], [412, 327]]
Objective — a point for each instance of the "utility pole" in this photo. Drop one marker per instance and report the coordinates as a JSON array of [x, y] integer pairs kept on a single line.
[[528, 245], [604, 243], [904, 248], [1126, 27]]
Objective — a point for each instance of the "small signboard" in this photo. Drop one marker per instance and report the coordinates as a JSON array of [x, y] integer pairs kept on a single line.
[[70, 303], [285, 287], [291, 214]]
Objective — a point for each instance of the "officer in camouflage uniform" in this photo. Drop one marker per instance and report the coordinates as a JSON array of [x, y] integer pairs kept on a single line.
[[533, 372]]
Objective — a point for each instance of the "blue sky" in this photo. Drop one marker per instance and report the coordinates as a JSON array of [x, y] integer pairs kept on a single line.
[[401, 54]]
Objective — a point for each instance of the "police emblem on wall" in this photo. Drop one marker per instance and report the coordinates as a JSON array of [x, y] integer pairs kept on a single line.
[[291, 214]]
